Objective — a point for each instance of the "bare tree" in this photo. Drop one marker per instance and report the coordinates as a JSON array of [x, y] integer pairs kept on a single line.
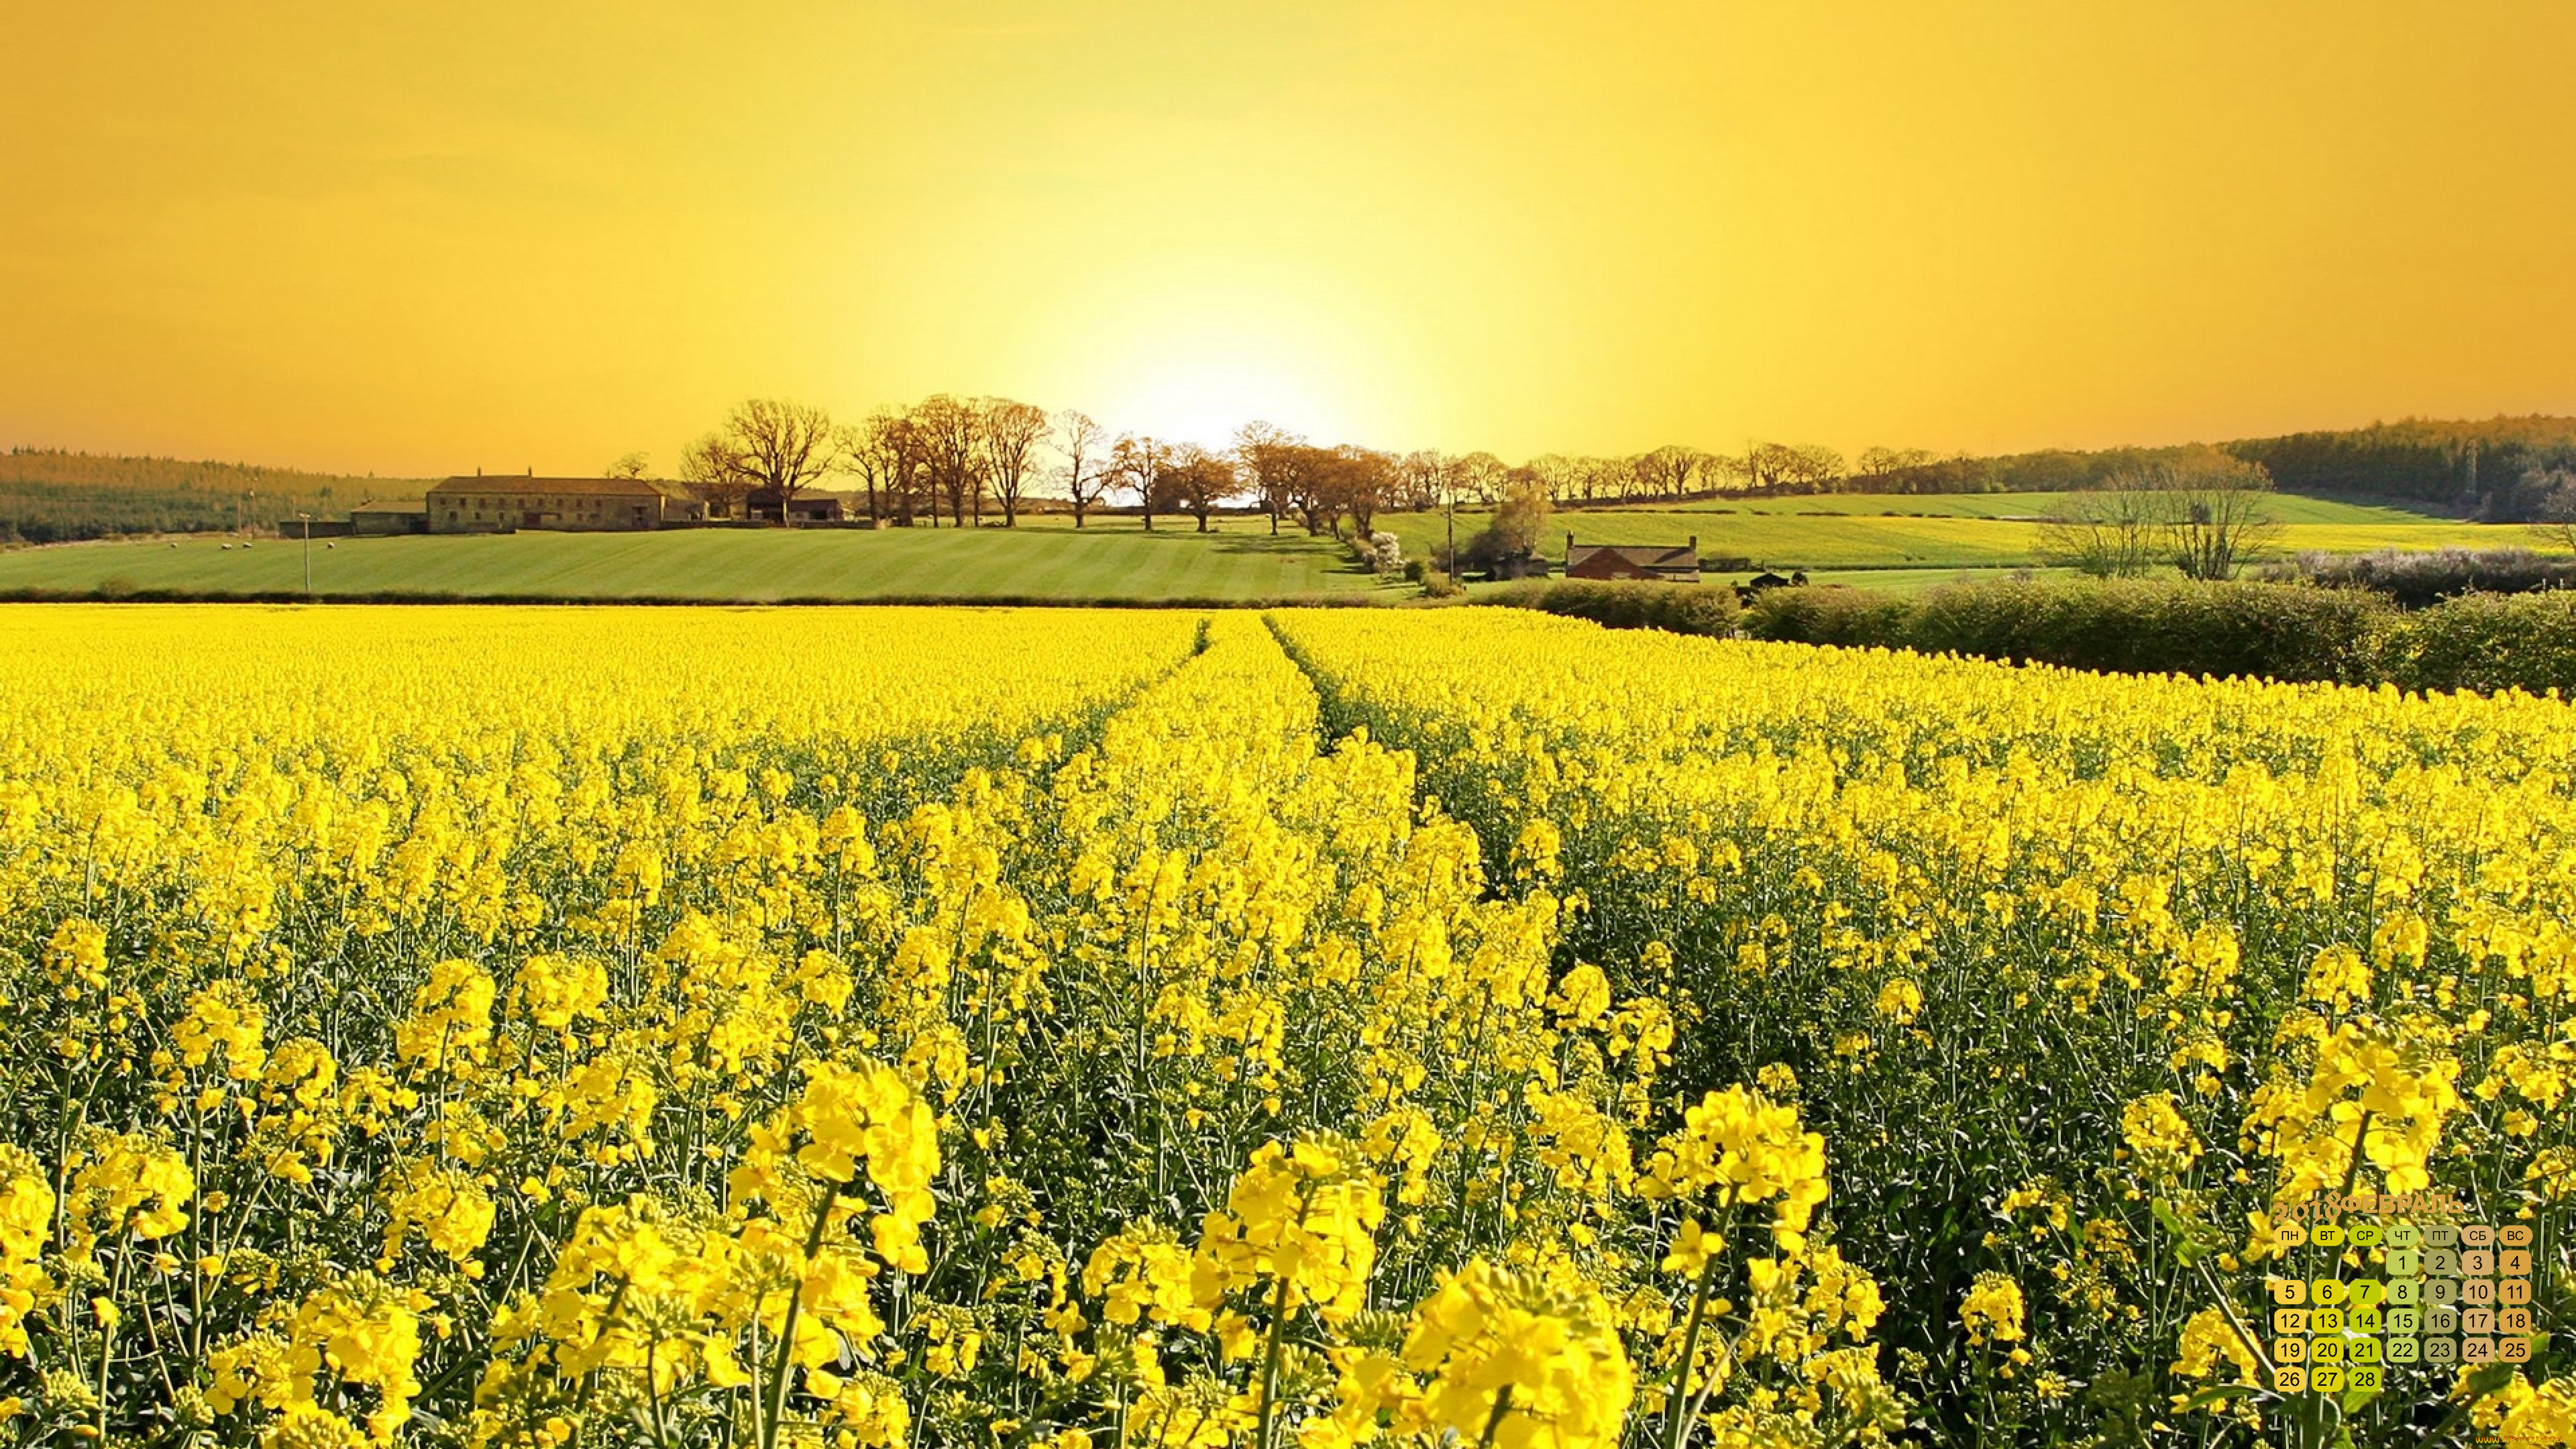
[[1559, 475], [2220, 518], [1812, 466], [882, 453], [1081, 442], [1478, 478], [1667, 472], [2115, 531], [718, 474], [951, 436], [1880, 462], [630, 465], [1766, 464], [1422, 480], [2553, 494], [766, 446], [1136, 464], [1010, 434]]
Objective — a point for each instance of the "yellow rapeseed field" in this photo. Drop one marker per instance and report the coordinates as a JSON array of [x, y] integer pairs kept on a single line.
[[1081, 1029]]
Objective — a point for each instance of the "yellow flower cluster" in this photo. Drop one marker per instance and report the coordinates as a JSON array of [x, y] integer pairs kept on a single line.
[[1508, 1362], [1301, 1220], [1737, 1148]]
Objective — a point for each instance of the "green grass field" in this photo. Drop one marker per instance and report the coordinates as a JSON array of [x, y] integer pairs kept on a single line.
[[1867, 541], [1112, 561], [1860, 540], [2288, 507]]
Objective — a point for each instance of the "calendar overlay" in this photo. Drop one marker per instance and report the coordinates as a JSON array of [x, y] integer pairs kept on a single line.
[[2443, 1291]]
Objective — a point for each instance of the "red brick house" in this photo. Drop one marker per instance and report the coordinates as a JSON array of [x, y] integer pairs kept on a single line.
[[1675, 564]]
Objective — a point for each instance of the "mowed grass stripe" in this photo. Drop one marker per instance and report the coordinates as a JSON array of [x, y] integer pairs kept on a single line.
[[725, 564]]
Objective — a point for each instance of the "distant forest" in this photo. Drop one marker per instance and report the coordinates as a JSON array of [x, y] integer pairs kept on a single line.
[[50, 496], [2500, 468], [2504, 469]]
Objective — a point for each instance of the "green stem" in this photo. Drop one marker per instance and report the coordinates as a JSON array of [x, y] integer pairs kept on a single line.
[[1494, 1422], [787, 1333], [2227, 1306], [2360, 1144], [1270, 1363], [1678, 1414], [106, 1344]]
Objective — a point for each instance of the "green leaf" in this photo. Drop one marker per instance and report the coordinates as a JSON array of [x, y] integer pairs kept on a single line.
[[2489, 1379], [2218, 1394], [2189, 1247]]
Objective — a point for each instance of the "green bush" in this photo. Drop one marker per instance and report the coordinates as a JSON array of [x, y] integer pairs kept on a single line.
[[1854, 618], [2488, 642], [2126, 625], [1677, 608]]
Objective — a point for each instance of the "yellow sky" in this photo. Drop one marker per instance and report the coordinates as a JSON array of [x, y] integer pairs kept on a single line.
[[528, 234]]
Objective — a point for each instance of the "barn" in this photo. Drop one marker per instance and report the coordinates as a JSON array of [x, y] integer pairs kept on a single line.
[[379, 516]]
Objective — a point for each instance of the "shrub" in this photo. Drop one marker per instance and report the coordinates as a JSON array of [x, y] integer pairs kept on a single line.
[[1856, 618], [2487, 642], [1676, 608], [2125, 625], [2419, 578]]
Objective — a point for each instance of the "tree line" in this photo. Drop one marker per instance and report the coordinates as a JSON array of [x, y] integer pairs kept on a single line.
[[956, 461], [2502, 469]]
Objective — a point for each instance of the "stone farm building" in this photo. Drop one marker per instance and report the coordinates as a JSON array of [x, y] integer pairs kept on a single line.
[[1677, 564], [388, 515], [504, 503], [762, 505]]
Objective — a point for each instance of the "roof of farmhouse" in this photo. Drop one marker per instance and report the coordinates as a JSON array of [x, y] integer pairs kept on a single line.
[[1644, 556], [520, 483]]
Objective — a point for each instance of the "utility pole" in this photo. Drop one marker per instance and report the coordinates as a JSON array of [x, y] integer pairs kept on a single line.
[[308, 552], [1450, 497]]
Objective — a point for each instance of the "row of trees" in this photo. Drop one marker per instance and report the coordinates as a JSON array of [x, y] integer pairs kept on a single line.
[[954, 460]]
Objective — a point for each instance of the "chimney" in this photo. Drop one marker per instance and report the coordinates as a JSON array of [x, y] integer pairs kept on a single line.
[[1694, 545]]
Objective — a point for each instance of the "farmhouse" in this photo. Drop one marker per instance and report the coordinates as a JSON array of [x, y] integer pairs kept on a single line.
[[1672, 564], [506, 504]]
